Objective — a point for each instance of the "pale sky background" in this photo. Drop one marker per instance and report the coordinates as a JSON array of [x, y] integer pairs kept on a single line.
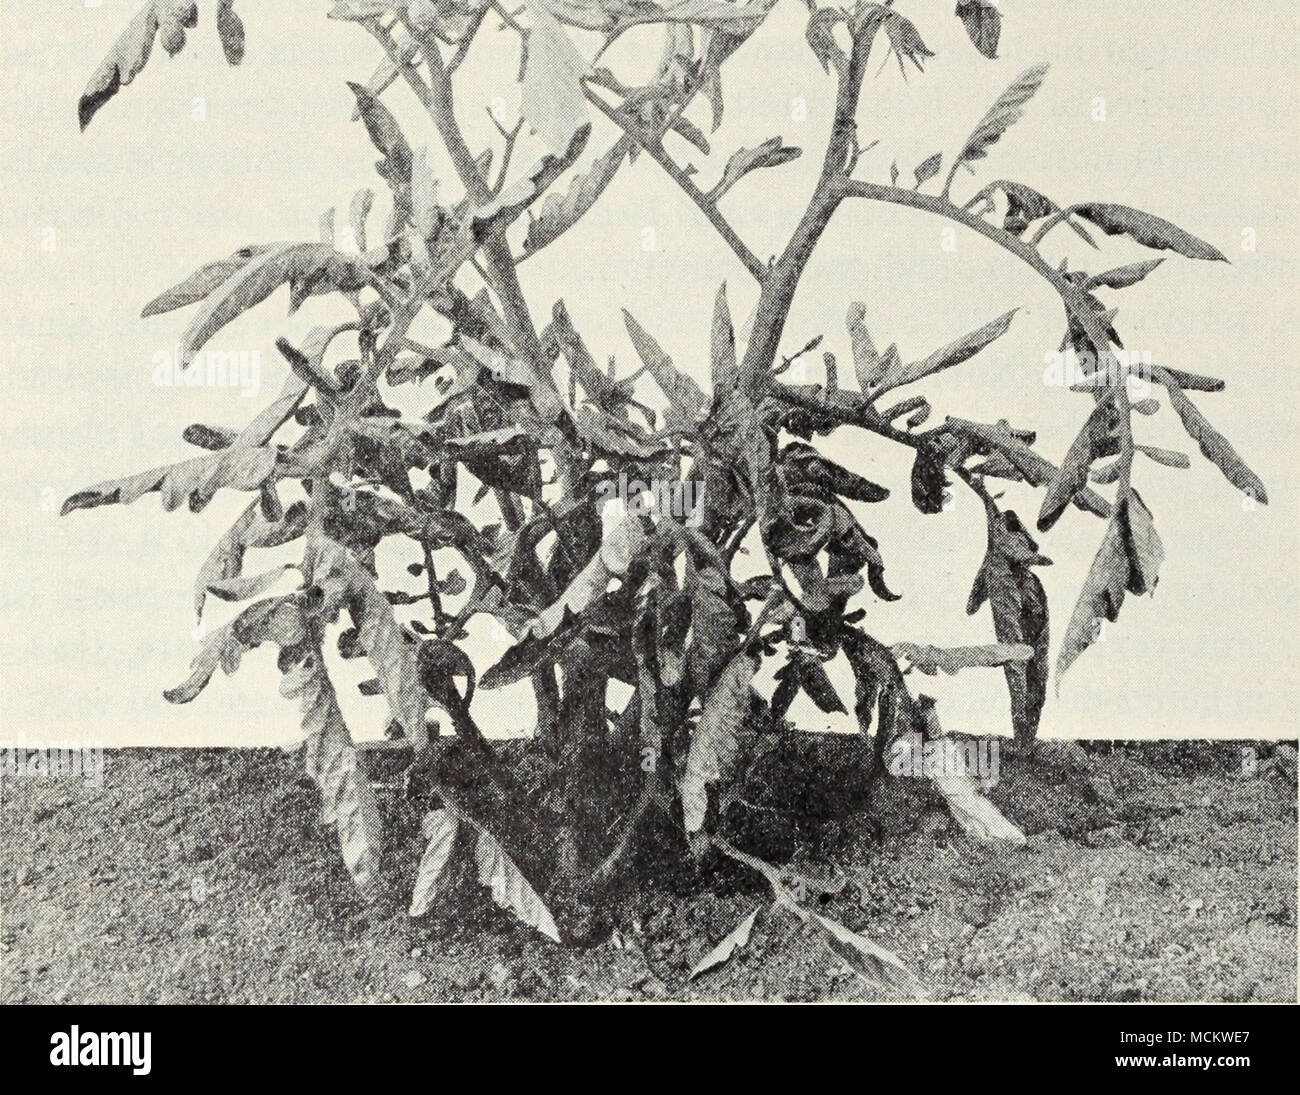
[[1200, 110]]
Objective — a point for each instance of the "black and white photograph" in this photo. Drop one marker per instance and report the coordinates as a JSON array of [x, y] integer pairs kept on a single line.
[[650, 501]]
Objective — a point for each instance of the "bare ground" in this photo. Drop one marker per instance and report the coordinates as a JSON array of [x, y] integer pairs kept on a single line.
[[1153, 871]]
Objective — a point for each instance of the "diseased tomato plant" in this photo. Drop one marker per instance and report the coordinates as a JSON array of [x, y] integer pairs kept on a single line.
[[518, 407]]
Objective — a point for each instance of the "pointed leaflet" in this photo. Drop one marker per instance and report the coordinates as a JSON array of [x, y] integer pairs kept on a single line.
[[1213, 444], [277, 619], [248, 585], [1002, 115], [1096, 439], [723, 344], [552, 99], [131, 51], [1148, 230], [928, 168], [688, 403], [870, 961], [200, 283], [896, 375], [304, 265], [1122, 276], [715, 741], [867, 364], [510, 889], [440, 829], [771, 153], [735, 940], [191, 481], [347, 799], [1127, 561], [252, 529]]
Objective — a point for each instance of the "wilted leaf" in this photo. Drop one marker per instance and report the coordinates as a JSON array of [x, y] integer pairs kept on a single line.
[[1148, 230], [231, 29], [868, 366], [347, 799], [1127, 561], [306, 266], [735, 940], [870, 961], [510, 889], [191, 481], [715, 741], [131, 51], [440, 829], [1019, 605], [248, 585], [1213, 444], [344, 583], [200, 283]]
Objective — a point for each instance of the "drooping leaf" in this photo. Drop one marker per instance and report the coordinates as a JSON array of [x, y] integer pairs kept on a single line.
[[231, 29], [715, 741], [344, 583], [200, 283], [1148, 230], [252, 529], [191, 481], [1127, 561], [1019, 605], [1213, 444], [929, 479], [440, 829], [306, 267], [347, 799], [870, 961], [166, 19], [905, 41], [510, 889], [735, 940], [247, 585], [386, 135]]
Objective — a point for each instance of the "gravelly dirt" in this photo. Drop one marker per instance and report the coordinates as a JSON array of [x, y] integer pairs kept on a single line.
[[1153, 871]]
